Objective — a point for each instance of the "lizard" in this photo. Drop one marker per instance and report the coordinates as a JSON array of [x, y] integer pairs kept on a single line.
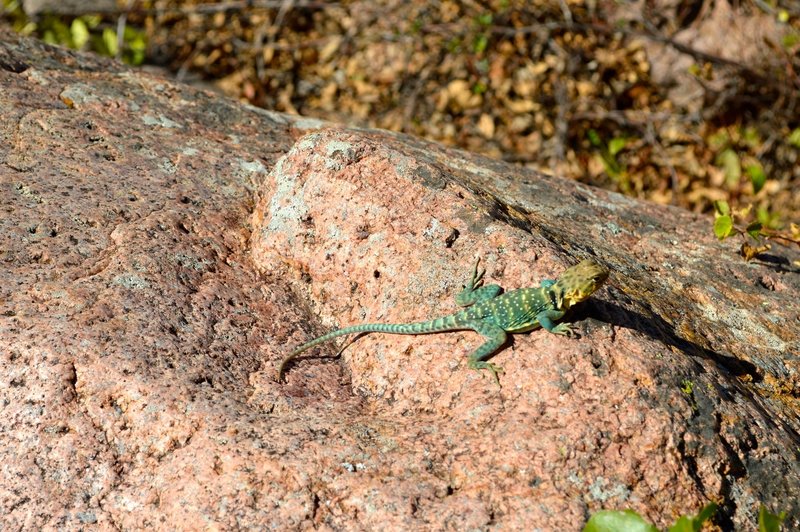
[[492, 314]]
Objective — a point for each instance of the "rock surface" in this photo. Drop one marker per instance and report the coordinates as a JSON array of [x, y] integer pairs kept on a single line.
[[164, 248]]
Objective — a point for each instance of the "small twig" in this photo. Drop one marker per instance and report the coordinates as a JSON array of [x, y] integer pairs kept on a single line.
[[566, 12], [411, 104], [217, 7], [122, 20], [286, 6], [120, 34], [562, 123], [180, 75], [272, 36], [628, 118], [777, 236], [650, 138], [258, 42], [600, 28]]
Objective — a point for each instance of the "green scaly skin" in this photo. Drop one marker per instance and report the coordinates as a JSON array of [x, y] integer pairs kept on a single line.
[[492, 314]]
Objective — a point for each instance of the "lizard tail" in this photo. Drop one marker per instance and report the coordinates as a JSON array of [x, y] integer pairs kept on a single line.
[[447, 323]]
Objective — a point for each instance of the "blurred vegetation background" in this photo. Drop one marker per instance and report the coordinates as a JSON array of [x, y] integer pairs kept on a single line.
[[686, 102]]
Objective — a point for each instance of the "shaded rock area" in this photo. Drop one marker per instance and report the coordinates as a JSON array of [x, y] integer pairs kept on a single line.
[[162, 249]]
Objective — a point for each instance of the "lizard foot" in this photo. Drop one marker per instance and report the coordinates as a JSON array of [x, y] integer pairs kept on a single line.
[[494, 368], [477, 276], [565, 329]]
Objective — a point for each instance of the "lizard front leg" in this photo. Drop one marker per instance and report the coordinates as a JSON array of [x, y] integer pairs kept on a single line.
[[474, 291], [547, 319], [547, 283], [496, 337]]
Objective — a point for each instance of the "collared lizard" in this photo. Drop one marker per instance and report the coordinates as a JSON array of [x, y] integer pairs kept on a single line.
[[493, 314]]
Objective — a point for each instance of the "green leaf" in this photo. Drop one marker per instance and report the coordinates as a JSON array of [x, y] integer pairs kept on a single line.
[[49, 37], [617, 521], [722, 207], [723, 226], [485, 19], [694, 524], [79, 33], [731, 166], [790, 40], [55, 31], [136, 44], [754, 230], [479, 88], [684, 524], [706, 513], [480, 44], [770, 220], [719, 140], [794, 138], [616, 145], [92, 21], [768, 521], [453, 45], [594, 138], [757, 176], [751, 137], [110, 41], [614, 170]]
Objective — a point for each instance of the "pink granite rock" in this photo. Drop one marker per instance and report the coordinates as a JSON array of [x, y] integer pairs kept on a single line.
[[163, 249]]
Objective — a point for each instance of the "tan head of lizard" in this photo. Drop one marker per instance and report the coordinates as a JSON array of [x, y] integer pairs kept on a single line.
[[578, 283]]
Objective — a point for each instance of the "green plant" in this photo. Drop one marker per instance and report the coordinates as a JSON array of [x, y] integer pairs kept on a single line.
[[735, 157], [607, 154], [630, 521], [764, 227], [481, 41], [768, 521], [80, 33], [794, 138], [134, 45]]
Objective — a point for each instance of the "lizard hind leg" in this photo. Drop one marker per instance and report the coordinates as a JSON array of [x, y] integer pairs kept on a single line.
[[495, 338], [347, 343], [474, 291]]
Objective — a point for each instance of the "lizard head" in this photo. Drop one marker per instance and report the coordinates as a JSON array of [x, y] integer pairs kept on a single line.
[[578, 283]]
